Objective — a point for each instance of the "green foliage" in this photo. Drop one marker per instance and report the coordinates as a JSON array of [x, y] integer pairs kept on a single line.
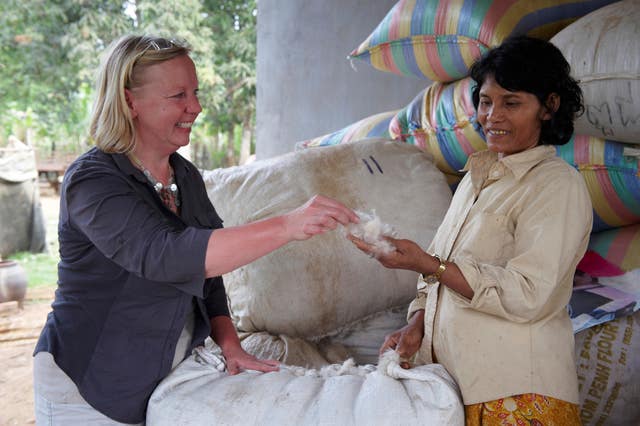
[[49, 52]]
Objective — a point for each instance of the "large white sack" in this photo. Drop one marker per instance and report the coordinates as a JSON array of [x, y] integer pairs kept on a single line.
[[603, 49], [315, 288], [198, 393], [609, 372]]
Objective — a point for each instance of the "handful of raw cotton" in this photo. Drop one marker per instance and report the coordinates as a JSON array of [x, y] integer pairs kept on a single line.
[[371, 230]]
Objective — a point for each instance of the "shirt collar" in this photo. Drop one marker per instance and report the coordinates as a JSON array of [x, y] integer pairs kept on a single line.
[[178, 163], [482, 164], [123, 163]]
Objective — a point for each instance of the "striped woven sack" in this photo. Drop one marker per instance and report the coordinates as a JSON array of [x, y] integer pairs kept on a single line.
[[610, 170], [439, 40], [375, 126], [442, 120], [603, 49], [612, 252]]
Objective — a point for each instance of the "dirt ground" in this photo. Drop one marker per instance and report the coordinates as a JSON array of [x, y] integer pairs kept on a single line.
[[19, 330]]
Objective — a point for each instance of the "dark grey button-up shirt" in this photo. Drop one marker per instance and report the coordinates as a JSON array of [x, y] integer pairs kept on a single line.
[[129, 271]]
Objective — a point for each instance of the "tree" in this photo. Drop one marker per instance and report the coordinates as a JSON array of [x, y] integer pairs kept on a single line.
[[49, 51], [47, 54], [235, 63]]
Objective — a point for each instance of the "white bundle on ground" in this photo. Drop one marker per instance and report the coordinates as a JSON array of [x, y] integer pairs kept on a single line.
[[316, 288], [198, 393]]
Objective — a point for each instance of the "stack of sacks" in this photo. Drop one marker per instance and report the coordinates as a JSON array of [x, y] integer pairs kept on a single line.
[[439, 40], [322, 300], [603, 49], [442, 120]]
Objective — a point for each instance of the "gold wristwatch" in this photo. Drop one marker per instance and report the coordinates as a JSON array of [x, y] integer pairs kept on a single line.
[[435, 277]]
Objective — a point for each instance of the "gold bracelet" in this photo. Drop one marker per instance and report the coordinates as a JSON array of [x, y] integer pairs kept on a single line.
[[435, 277]]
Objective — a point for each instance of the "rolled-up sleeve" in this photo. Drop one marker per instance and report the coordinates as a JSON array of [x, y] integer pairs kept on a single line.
[[417, 304]]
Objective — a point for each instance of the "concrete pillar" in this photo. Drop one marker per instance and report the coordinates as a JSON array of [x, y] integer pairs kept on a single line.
[[306, 86]]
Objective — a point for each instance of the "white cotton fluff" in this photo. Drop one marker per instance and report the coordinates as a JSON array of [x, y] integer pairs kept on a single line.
[[388, 365], [347, 368], [372, 230]]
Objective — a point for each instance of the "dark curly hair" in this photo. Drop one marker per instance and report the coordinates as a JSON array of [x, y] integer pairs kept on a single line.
[[523, 63]]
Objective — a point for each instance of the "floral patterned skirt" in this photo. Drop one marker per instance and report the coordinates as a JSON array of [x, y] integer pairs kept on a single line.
[[528, 409]]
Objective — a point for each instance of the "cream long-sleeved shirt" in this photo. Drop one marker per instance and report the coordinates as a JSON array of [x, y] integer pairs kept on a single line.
[[516, 228]]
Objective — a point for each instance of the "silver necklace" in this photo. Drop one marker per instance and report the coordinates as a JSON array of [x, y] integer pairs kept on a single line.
[[168, 193]]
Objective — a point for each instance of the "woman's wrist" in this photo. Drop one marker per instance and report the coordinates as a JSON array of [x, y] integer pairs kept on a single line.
[[433, 268]]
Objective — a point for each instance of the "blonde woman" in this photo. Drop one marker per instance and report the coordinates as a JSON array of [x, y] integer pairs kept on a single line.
[[142, 249]]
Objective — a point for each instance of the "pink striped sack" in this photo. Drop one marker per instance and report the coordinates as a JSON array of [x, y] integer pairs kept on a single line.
[[612, 252], [439, 40]]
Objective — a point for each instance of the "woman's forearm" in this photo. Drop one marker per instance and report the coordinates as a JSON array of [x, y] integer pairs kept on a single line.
[[230, 248], [452, 277], [224, 333], [233, 247]]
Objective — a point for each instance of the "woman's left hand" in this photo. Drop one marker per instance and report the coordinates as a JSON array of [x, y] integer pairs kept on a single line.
[[407, 254], [238, 360]]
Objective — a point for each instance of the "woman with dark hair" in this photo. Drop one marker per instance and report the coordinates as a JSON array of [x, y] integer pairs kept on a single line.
[[537, 67], [491, 300]]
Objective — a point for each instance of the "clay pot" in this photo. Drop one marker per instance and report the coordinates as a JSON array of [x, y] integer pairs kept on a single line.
[[13, 282]]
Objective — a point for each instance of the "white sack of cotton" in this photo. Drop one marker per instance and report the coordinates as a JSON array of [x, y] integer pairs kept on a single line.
[[316, 288], [199, 392]]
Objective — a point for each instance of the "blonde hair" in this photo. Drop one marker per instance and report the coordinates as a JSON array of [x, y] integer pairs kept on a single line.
[[112, 128]]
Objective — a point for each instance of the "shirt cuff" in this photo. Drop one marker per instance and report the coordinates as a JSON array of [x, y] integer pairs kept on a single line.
[[419, 303], [473, 276]]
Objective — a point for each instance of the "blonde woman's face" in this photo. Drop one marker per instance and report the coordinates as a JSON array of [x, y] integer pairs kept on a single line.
[[166, 105]]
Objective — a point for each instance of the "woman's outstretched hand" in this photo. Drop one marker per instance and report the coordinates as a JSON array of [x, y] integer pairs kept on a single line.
[[407, 254], [316, 216]]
